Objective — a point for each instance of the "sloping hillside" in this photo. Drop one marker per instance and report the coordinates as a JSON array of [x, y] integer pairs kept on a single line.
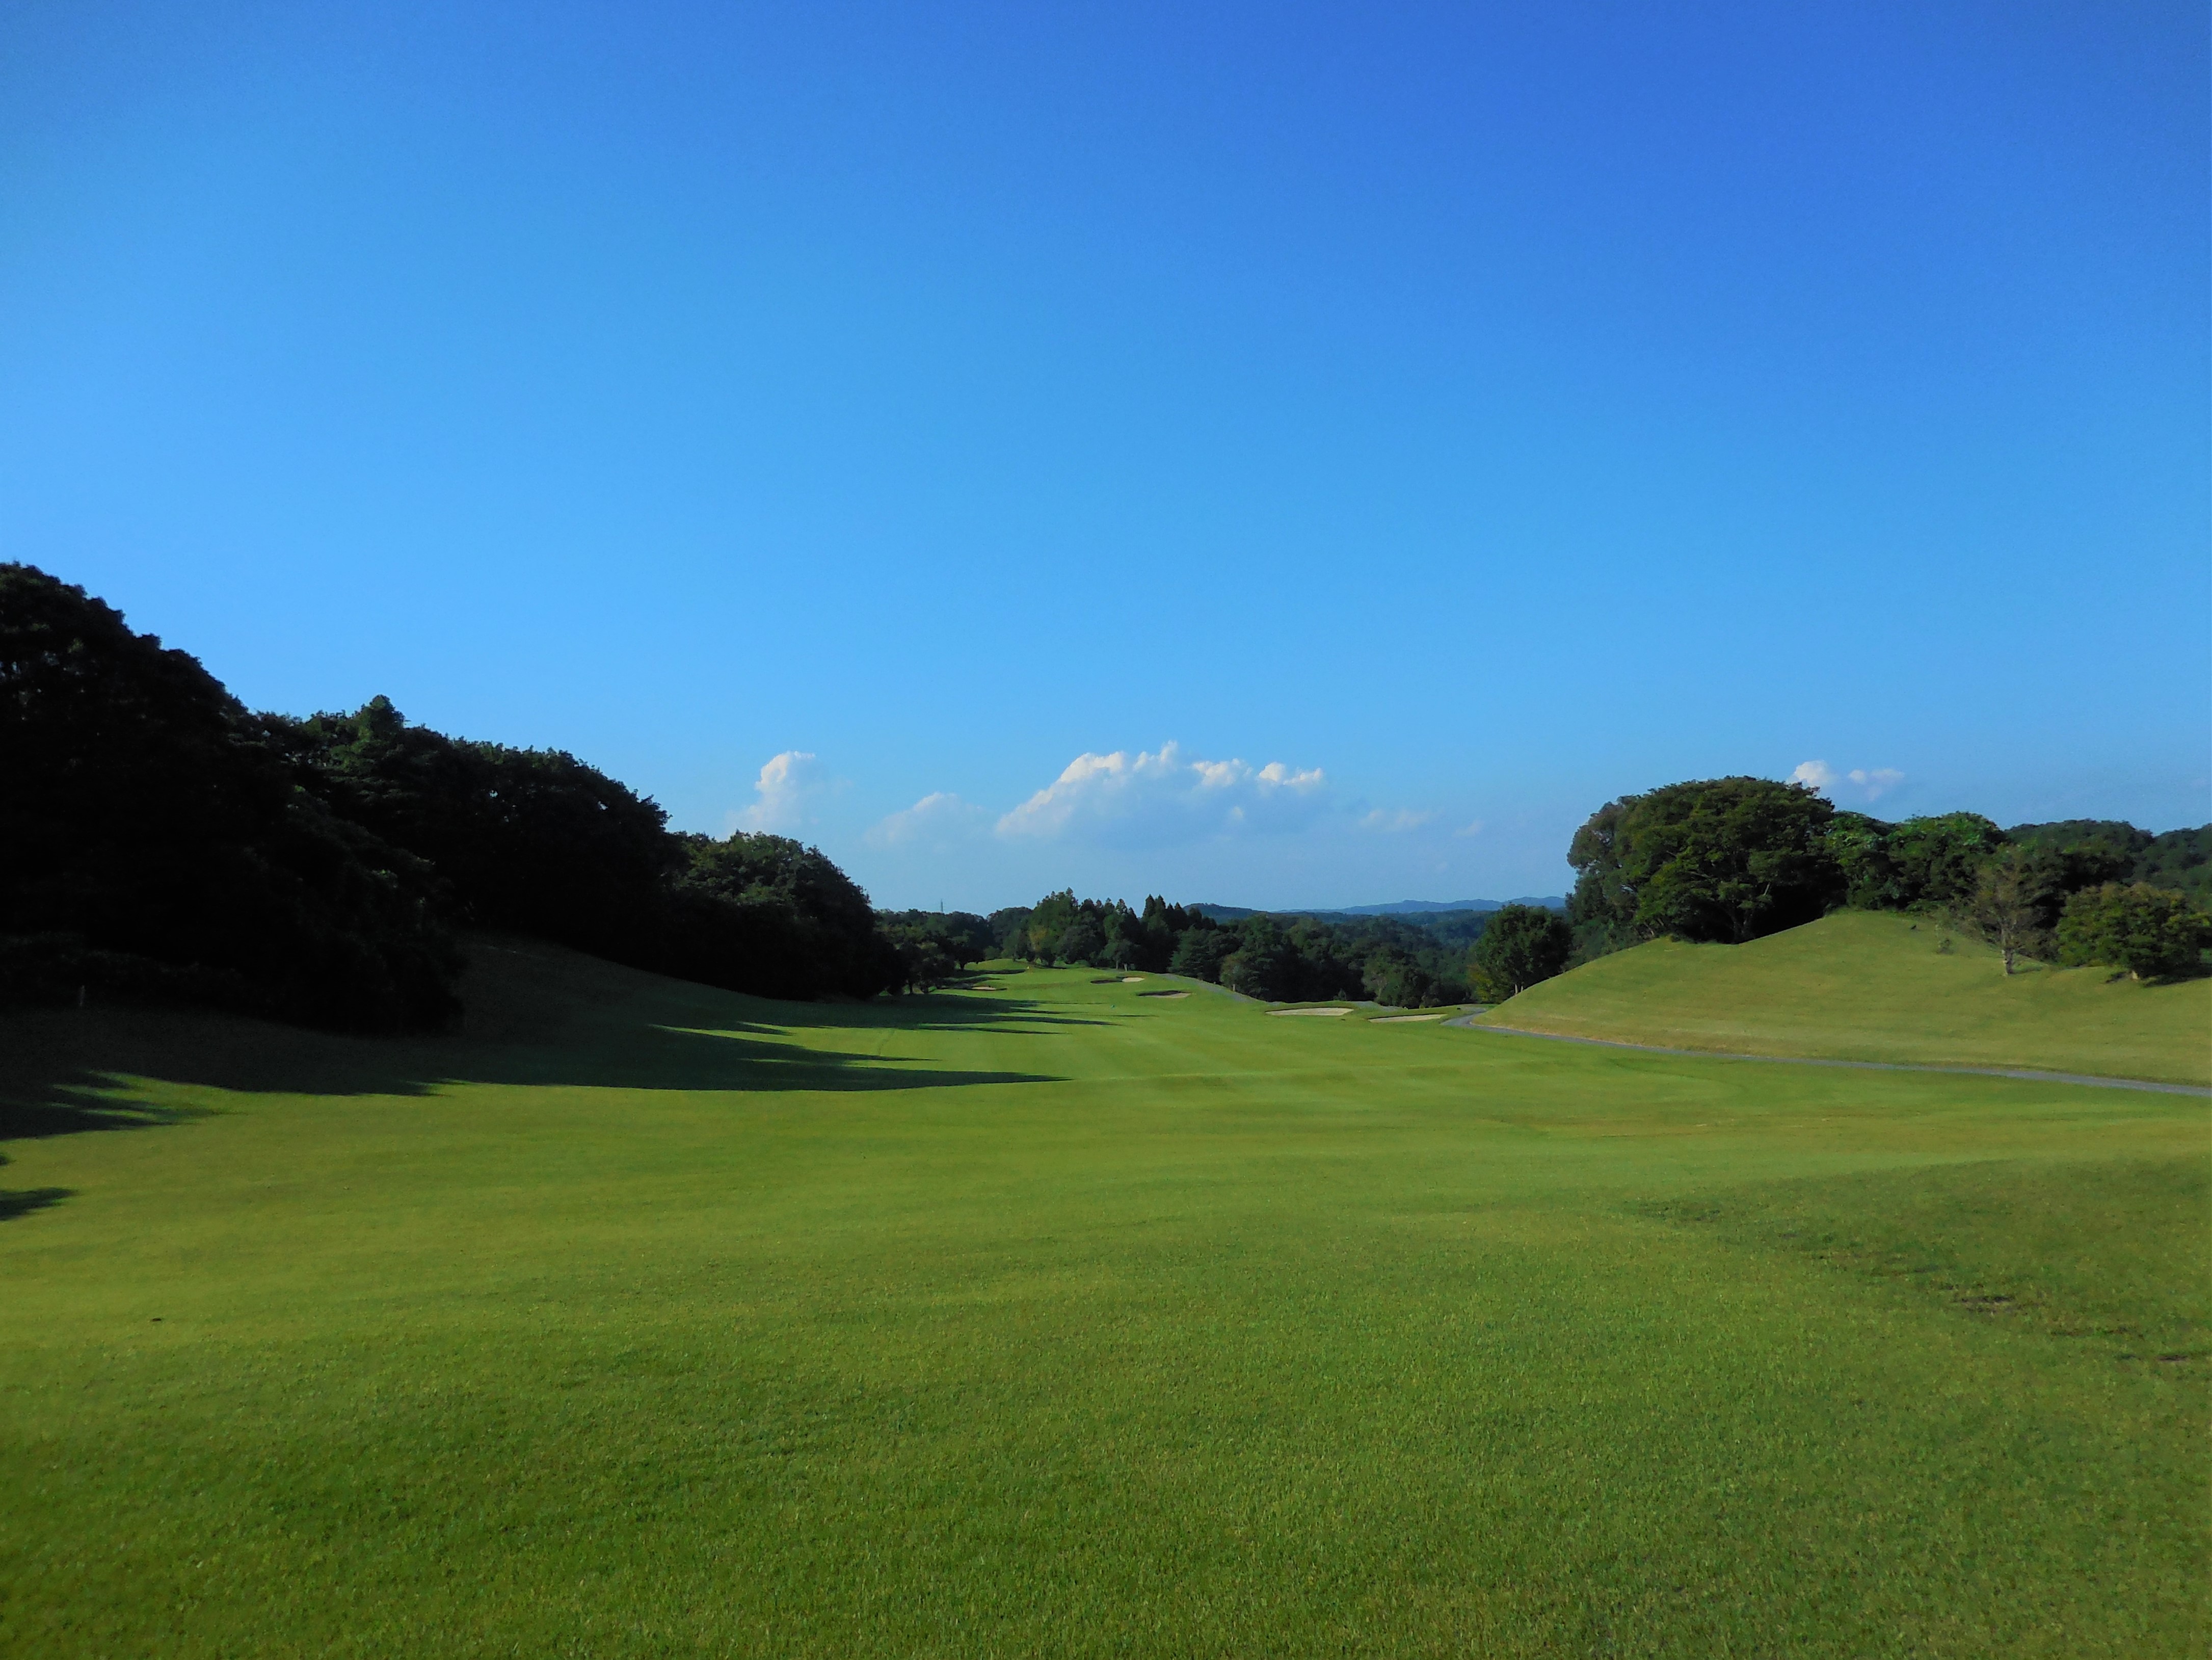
[[1864, 986]]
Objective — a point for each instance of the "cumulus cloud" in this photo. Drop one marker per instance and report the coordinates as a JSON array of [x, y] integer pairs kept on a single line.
[[937, 819], [1148, 799], [1404, 818], [1860, 783], [789, 786]]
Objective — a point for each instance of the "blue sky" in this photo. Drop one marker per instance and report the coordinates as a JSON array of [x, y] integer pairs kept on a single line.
[[1282, 455]]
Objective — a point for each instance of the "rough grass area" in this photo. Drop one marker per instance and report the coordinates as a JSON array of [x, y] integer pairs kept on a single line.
[[1863, 985], [1057, 1320]]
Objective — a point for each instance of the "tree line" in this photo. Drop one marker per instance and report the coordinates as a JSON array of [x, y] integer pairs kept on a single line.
[[158, 839], [1734, 859], [1276, 956]]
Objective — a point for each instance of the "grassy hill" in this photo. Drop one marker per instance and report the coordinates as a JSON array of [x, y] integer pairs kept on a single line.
[[642, 1319], [1864, 986]]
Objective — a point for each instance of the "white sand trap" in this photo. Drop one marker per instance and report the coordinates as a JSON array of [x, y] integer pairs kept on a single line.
[[1132, 979], [1172, 996], [1401, 1020], [1308, 1010]]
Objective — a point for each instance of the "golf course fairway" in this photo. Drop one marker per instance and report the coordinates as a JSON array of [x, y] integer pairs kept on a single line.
[[1052, 1319]]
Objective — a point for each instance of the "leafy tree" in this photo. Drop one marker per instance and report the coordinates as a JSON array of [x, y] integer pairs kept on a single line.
[[533, 841], [2179, 861], [963, 936], [1199, 953], [1860, 846], [1937, 859], [152, 840], [1727, 859], [1521, 946], [1601, 910], [1082, 941], [2008, 905], [2148, 932]]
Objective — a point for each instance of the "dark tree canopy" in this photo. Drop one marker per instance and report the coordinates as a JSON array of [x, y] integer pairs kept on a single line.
[[151, 840], [1726, 858], [529, 840], [156, 839], [1523, 945], [2144, 931]]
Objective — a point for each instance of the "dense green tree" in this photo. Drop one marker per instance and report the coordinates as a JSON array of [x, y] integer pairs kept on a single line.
[[1726, 858], [152, 840], [1937, 859], [1601, 910], [963, 936], [2179, 861], [2149, 932], [2091, 852], [1523, 945], [1860, 846], [533, 841], [779, 919], [1200, 951]]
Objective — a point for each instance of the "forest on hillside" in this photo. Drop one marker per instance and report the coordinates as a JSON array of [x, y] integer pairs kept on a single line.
[[161, 841], [1734, 858]]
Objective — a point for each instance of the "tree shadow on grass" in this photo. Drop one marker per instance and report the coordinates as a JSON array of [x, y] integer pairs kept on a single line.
[[538, 1016], [23, 1201]]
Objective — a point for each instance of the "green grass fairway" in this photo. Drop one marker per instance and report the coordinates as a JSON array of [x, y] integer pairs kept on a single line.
[[1861, 986], [1055, 1320]]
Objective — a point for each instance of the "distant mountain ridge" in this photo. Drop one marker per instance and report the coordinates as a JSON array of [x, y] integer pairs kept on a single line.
[[1397, 908]]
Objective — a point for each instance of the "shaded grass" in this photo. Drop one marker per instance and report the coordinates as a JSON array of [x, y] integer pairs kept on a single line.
[[1197, 1332], [1863, 985]]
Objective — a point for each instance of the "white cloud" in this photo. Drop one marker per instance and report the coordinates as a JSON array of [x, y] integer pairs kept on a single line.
[[1159, 800], [1868, 784], [937, 819], [1404, 819], [1473, 827], [788, 786]]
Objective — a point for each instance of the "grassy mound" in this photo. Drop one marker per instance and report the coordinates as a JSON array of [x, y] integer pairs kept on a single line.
[[644, 1319], [1863, 986]]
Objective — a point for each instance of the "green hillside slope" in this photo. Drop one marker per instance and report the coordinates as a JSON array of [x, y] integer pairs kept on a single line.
[[1047, 1318], [1865, 986]]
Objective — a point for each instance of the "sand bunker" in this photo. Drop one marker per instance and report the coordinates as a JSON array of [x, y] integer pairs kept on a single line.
[[1401, 1020], [1171, 994], [1308, 1010], [1132, 979]]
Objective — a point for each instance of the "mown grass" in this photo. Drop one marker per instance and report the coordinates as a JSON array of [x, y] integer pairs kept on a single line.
[[1864, 986], [1054, 1320]]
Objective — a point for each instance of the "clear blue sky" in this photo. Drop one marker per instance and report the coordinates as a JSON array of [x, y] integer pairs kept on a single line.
[[1455, 416]]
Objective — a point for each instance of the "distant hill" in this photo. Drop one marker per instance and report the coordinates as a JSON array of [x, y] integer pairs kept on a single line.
[[1398, 907], [1412, 907]]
